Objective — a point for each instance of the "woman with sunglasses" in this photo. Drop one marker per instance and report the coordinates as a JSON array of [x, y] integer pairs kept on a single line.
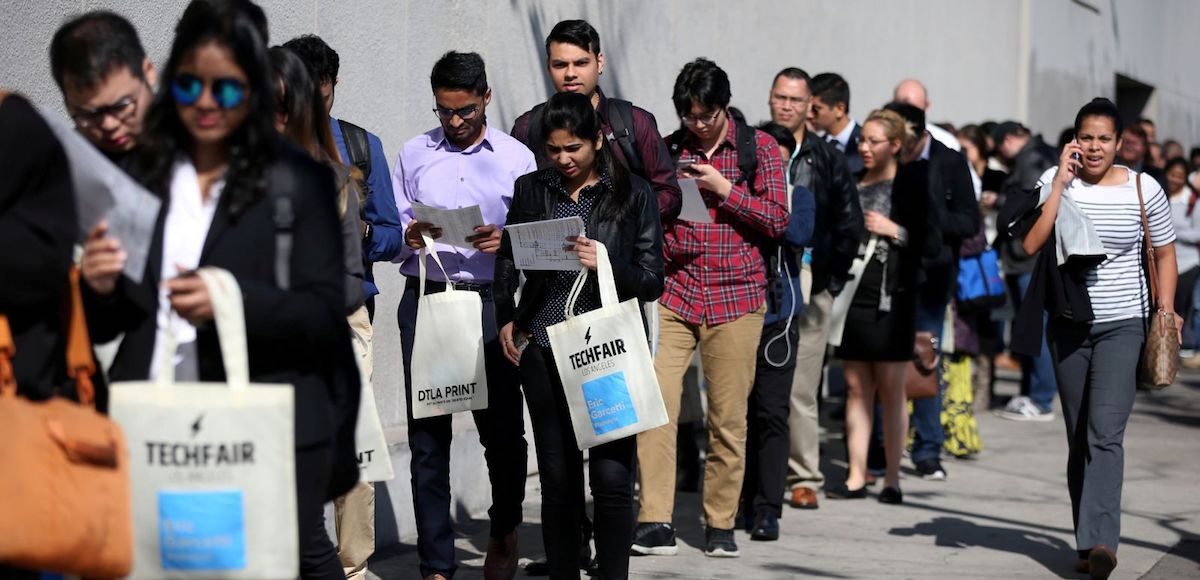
[[215, 159], [619, 210]]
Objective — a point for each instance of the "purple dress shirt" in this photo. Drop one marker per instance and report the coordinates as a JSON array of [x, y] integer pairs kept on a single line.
[[434, 172]]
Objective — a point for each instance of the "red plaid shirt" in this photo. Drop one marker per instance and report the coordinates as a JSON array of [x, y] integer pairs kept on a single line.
[[715, 272]]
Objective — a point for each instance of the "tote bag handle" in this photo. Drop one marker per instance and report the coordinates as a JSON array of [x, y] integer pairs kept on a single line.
[[604, 274], [229, 317], [421, 264]]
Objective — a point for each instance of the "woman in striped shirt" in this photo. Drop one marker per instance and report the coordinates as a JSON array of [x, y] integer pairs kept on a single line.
[[1096, 360]]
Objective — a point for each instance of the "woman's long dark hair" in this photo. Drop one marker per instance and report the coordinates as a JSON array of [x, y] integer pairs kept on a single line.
[[573, 113], [240, 26]]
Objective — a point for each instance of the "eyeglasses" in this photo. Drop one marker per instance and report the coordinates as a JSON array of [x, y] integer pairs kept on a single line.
[[229, 93], [121, 110], [465, 113], [705, 120]]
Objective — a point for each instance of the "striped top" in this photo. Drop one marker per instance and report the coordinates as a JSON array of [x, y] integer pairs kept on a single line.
[[1117, 287]]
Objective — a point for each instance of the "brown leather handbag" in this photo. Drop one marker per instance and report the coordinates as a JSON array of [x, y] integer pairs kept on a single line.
[[921, 380], [64, 492], [1160, 355]]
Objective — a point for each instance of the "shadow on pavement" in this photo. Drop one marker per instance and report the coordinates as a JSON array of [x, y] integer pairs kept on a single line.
[[1056, 555]]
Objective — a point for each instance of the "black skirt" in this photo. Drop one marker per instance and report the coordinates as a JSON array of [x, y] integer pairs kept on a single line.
[[874, 336]]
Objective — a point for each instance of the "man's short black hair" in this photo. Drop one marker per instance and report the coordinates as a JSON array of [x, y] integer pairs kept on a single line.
[[701, 81], [794, 73], [321, 60], [912, 115], [1194, 153], [89, 47], [460, 70], [576, 32], [782, 135], [832, 88], [1102, 107]]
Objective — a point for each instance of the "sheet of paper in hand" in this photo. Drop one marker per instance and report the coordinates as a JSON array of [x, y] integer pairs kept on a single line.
[[542, 245], [457, 225], [104, 191]]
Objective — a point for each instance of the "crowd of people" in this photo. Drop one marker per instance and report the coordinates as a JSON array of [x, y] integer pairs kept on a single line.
[[872, 245]]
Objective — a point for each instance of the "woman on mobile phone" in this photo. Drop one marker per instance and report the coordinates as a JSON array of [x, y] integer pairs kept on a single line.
[[212, 154], [1097, 331], [620, 211]]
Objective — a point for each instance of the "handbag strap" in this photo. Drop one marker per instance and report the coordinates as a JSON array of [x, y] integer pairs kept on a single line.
[[604, 275], [1153, 267], [80, 363]]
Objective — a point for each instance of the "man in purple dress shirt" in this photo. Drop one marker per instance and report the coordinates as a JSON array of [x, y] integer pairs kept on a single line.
[[463, 162]]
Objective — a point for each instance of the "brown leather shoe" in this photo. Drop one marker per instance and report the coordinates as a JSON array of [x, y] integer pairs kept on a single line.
[[1101, 562], [501, 560], [804, 499]]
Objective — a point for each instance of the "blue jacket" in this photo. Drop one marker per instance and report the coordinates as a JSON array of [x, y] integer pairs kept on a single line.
[[387, 238], [789, 301]]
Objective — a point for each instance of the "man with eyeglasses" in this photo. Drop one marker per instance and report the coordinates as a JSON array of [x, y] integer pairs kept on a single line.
[[714, 299], [816, 165], [575, 63], [105, 78], [463, 162]]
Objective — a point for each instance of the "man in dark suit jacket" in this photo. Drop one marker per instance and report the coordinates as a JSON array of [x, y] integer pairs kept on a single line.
[[953, 196], [830, 112], [37, 233]]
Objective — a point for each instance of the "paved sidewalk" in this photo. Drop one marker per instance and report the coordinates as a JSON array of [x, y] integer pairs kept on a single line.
[[1005, 514]]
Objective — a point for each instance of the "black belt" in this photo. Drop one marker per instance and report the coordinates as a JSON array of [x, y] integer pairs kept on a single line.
[[484, 289]]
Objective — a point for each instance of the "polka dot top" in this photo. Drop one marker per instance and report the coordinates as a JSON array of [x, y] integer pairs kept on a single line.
[[554, 304]]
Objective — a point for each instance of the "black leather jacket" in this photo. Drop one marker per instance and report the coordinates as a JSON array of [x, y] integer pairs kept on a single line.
[[839, 224], [634, 245]]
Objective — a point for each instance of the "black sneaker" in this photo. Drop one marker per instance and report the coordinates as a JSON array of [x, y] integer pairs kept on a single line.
[[719, 543], [891, 495], [654, 539], [931, 469]]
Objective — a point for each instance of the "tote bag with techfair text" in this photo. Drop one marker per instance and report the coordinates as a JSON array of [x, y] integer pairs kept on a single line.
[[603, 359], [212, 465]]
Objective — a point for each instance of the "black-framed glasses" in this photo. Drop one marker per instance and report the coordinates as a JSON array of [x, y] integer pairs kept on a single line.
[[122, 110], [465, 113], [701, 120], [228, 92]]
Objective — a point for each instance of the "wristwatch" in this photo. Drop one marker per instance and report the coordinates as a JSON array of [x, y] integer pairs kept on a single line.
[[368, 231]]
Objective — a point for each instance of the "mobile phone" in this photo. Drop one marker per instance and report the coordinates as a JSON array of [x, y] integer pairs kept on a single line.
[[520, 341]]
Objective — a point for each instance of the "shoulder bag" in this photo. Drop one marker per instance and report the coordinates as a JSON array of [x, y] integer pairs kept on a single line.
[[1160, 355]]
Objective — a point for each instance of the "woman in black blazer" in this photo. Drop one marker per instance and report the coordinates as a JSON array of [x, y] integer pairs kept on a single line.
[[213, 156]]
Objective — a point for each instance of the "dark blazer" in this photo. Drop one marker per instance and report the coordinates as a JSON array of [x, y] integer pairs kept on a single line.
[[37, 232], [959, 218], [634, 246], [839, 222], [912, 209], [297, 336]]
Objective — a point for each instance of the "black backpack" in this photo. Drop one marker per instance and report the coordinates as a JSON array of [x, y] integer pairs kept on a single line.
[[619, 114], [746, 149], [359, 148]]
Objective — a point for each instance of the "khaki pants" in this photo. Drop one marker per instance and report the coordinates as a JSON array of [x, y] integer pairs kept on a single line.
[[354, 513], [804, 458], [728, 356]]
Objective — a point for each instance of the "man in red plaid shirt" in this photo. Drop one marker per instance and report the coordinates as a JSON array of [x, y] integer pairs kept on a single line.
[[714, 298]]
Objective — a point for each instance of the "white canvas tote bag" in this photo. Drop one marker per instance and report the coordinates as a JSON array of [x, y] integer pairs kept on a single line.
[[374, 461], [448, 371], [603, 359], [212, 465]]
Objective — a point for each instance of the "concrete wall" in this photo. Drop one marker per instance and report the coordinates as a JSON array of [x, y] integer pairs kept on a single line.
[[981, 59]]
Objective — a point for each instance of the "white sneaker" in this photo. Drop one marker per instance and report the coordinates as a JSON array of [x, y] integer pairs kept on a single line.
[[1023, 409]]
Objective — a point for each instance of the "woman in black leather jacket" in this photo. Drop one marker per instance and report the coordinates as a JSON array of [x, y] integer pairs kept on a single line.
[[620, 211]]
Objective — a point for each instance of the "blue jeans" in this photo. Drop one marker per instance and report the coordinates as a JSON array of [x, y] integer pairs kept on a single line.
[[927, 413], [1037, 374]]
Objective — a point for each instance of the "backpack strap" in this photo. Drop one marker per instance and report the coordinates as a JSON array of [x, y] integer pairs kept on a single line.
[[747, 155], [284, 217], [620, 118], [358, 146], [675, 144]]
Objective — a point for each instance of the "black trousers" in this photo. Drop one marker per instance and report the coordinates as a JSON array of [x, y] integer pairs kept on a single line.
[[318, 557], [560, 468], [767, 440], [501, 431]]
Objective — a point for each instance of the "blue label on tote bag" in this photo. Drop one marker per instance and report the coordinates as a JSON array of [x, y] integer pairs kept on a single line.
[[608, 402], [202, 530]]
